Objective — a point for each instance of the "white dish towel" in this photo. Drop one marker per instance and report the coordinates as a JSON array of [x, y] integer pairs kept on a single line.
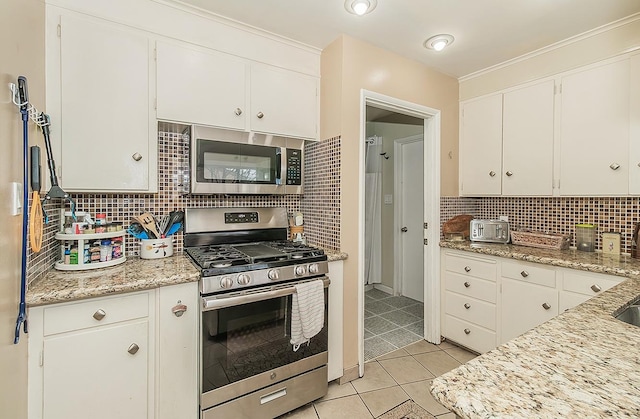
[[307, 312]]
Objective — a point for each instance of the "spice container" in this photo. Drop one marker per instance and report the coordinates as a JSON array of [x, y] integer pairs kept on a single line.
[[105, 250]]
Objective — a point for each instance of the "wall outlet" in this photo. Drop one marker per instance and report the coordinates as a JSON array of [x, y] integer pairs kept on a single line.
[[388, 199], [504, 218]]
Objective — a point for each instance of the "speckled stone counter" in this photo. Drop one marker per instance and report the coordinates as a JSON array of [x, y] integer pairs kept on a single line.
[[581, 364], [133, 275], [333, 255]]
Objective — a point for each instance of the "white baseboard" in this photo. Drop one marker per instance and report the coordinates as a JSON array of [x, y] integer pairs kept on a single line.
[[384, 288]]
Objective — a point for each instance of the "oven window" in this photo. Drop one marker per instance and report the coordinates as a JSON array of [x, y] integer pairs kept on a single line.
[[242, 341], [221, 162]]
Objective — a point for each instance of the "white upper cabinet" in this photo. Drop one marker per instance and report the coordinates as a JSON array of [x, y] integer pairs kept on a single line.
[[527, 141], [283, 102], [506, 145], [634, 127], [101, 110], [481, 146], [200, 86], [594, 138]]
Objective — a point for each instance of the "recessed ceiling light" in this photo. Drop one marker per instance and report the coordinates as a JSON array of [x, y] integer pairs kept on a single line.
[[438, 42], [360, 7]]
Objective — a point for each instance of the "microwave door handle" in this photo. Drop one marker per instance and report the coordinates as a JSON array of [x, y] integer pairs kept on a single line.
[[279, 165]]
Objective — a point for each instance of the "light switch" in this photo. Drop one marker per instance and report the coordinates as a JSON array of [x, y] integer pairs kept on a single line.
[[388, 199], [16, 199]]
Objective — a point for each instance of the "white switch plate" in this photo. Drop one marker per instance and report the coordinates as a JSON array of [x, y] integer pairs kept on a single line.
[[388, 199], [15, 203], [504, 218]]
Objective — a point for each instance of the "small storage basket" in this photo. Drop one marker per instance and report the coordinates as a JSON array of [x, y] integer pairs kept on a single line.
[[544, 241]]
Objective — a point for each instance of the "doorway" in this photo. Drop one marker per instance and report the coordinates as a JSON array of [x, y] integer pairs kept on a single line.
[[407, 136]]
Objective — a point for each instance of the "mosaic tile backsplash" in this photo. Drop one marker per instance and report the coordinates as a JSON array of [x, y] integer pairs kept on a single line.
[[320, 204], [554, 215]]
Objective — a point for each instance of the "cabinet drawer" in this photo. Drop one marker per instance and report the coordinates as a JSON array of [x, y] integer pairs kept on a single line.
[[471, 287], [588, 283], [95, 312], [470, 309], [471, 267], [531, 273], [468, 334]]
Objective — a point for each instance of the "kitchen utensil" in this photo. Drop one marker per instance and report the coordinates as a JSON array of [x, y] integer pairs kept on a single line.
[[35, 216], [137, 231], [24, 112], [174, 229], [175, 217], [147, 221]]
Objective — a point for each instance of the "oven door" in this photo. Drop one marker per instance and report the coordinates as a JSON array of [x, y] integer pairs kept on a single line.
[[245, 343]]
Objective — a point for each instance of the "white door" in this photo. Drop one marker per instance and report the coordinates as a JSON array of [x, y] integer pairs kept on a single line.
[[411, 215]]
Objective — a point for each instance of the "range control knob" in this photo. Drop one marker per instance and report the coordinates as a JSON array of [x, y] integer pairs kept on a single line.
[[273, 274], [226, 282], [300, 270], [313, 268], [243, 279]]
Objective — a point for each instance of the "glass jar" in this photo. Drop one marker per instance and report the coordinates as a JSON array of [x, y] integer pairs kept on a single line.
[[105, 250]]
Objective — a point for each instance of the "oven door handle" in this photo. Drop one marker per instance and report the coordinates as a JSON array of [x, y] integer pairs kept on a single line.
[[217, 302]]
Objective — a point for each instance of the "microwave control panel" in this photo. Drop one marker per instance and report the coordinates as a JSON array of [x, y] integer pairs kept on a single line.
[[294, 167]]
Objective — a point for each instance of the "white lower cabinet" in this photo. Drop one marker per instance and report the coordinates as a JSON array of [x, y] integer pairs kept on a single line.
[[335, 361], [129, 356], [489, 300]]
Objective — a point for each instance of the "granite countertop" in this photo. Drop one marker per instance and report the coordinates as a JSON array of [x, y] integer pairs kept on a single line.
[[582, 363], [133, 275]]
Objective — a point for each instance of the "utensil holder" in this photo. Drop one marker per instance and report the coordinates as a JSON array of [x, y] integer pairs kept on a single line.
[[156, 248]]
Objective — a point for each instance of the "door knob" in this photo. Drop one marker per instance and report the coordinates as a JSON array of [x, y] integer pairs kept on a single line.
[[260, 115], [492, 173], [238, 111], [509, 173], [404, 229], [137, 156], [99, 315], [546, 306], [133, 348]]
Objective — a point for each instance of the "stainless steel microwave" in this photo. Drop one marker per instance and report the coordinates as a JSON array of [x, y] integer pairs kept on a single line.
[[236, 162]]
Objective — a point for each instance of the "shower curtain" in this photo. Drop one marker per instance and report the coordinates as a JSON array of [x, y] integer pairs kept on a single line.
[[372, 220]]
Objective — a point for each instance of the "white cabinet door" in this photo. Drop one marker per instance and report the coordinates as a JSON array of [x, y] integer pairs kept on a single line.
[[481, 146], [527, 141], [283, 102], [105, 108], [200, 86], [594, 137], [634, 132], [96, 373], [177, 352], [336, 319], [524, 306]]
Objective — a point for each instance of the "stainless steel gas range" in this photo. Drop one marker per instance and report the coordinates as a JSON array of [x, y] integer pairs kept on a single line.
[[248, 367]]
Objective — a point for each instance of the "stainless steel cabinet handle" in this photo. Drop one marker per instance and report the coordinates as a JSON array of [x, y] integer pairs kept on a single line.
[[524, 274], [467, 331], [133, 348], [467, 285], [404, 229], [238, 111], [614, 166], [179, 309], [492, 173], [99, 315], [596, 288], [509, 173], [467, 306], [260, 115], [137, 156], [467, 269], [546, 306]]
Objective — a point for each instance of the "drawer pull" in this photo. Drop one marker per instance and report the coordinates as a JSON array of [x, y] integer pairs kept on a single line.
[[273, 396], [596, 288], [614, 166], [509, 173], [467, 269], [546, 306], [492, 173], [137, 156], [260, 115], [133, 349], [467, 306], [179, 309], [524, 274], [99, 315], [467, 285], [467, 331], [238, 111]]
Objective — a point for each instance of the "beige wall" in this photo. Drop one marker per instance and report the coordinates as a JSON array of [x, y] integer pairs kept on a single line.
[[585, 51], [364, 66], [22, 50]]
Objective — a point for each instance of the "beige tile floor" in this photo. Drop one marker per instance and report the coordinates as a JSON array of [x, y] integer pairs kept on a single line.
[[388, 381]]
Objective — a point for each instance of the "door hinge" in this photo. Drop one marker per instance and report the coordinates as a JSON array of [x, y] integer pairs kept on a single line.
[[42, 357], [59, 30], [155, 104], [426, 226], [426, 242], [155, 54]]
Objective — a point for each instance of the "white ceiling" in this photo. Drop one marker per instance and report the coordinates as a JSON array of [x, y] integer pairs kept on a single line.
[[487, 32]]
